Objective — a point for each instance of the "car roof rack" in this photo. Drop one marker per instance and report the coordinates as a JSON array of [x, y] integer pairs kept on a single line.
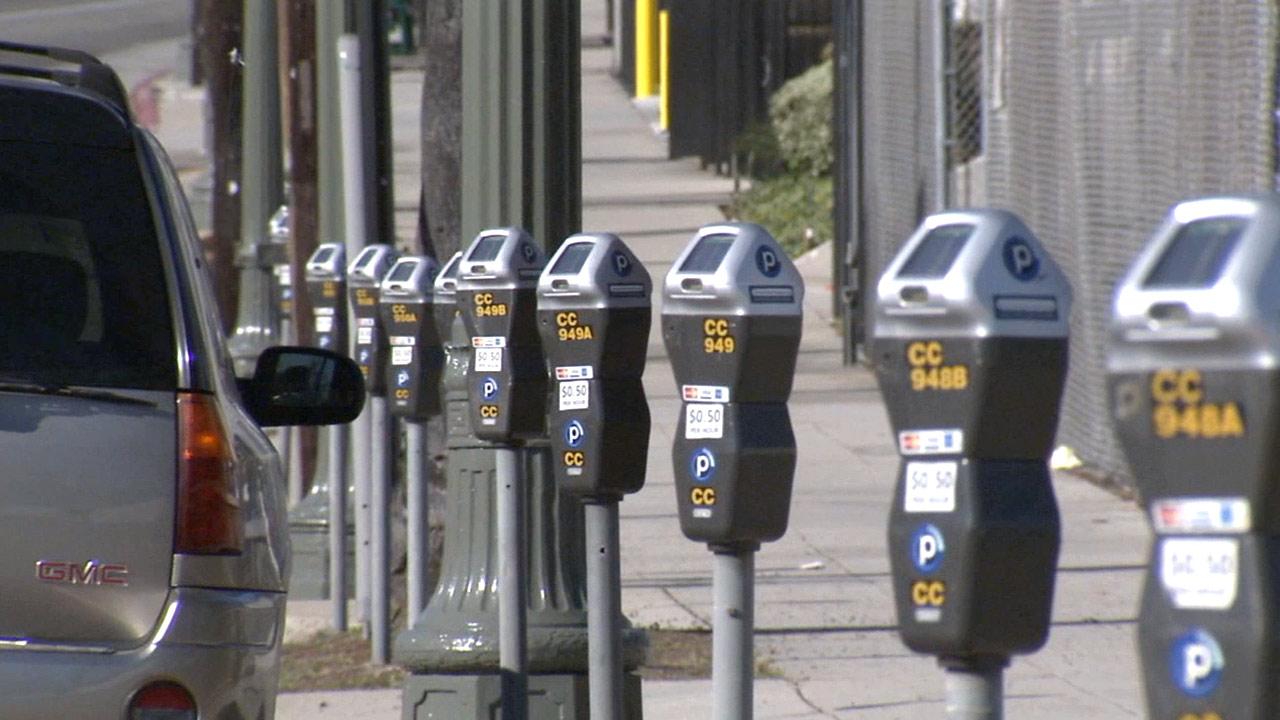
[[93, 75]]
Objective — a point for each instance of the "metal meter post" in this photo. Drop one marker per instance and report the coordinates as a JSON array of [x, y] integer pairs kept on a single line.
[[326, 280], [970, 351], [1192, 382], [497, 283], [277, 255], [369, 343], [594, 315], [414, 369], [731, 321]]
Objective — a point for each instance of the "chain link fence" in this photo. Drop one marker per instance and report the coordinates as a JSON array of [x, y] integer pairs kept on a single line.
[[1088, 118]]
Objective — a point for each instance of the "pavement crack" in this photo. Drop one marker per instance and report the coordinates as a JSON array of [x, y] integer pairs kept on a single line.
[[795, 687], [692, 613]]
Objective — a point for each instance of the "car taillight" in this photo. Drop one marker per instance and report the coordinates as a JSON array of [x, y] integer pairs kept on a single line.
[[162, 701], [208, 511]]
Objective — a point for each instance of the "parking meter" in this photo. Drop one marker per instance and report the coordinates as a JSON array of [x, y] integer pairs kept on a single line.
[[731, 322], [327, 287], [1192, 375], [278, 257], [445, 290], [970, 351], [594, 315], [416, 360], [364, 279], [497, 285]]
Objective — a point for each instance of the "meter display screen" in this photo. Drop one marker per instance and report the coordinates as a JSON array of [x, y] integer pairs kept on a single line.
[[934, 255], [487, 249], [451, 270], [1197, 254], [366, 258], [708, 254], [402, 271], [323, 256], [572, 259]]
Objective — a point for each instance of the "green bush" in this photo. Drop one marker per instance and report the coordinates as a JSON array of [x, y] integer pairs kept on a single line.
[[790, 161], [796, 208], [800, 112]]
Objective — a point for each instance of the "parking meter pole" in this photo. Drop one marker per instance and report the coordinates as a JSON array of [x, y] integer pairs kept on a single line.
[[732, 623], [604, 609], [513, 582], [380, 530], [975, 691], [361, 437], [417, 481], [339, 440]]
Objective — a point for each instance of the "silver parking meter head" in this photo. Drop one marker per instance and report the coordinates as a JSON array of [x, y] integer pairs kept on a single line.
[[594, 270], [733, 269], [411, 279], [278, 226], [1203, 289], [328, 262], [974, 273], [371, 266]]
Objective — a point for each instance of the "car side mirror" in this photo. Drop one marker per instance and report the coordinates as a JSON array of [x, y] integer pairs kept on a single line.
[[304, 386]]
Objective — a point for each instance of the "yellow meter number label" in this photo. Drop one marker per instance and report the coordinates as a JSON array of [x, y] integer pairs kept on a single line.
[[929, 368], [570, 328], [1179, 408], [716, 337], [488, 306]]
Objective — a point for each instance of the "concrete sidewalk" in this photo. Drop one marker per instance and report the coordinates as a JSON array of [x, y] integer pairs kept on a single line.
[[824, 612]]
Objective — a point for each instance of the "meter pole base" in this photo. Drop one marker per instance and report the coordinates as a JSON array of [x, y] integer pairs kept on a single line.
[[604, 609], [732, 625], [417, 478], [513, 649], [380, 530], [975, 687], [339, 439]]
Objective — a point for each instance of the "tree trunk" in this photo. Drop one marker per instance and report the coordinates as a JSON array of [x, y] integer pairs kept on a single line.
[[220, 24], [440, 211]]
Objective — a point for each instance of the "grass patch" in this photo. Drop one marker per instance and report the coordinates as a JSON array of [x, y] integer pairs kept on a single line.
[[340, 661]]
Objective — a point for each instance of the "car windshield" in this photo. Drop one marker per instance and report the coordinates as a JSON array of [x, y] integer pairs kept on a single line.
[[82, 285]]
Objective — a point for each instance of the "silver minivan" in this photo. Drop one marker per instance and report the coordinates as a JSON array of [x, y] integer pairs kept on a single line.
[[142, 509]]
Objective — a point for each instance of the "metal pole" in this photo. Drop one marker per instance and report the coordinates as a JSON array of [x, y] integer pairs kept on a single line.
[[733, 621], [417, 483], [353, 180], [257, 316], [380, 530], [975, 692], [604, 610], [513, 647], [939, 30], [339, 438]]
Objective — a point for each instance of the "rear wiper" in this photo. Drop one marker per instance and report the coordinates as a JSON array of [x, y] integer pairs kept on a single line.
[[31, 388]]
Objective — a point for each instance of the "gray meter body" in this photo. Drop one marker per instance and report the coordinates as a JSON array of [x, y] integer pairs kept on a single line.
[[415, 359], [594, 314], [970, 351], [1193, 370], [327, 288], [731, 322], [445, 290], [364, 278], [497, 297]]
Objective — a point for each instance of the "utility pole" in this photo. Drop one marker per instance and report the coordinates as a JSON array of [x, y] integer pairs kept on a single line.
[[440, 216], [220, 25], [299, 52]]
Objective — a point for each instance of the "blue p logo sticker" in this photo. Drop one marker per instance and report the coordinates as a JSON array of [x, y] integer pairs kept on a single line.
[[1196, 662], [621, 264], [1020, 259], [927, 548], [702, 465], [489, 388], [767, 261], [574, 433], [529, 253]]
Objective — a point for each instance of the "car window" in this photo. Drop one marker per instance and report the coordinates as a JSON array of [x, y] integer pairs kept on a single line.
[[83, 299]]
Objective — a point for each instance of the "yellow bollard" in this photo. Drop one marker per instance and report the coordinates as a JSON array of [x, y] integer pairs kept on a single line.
[[646, 47], [664, 69]]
